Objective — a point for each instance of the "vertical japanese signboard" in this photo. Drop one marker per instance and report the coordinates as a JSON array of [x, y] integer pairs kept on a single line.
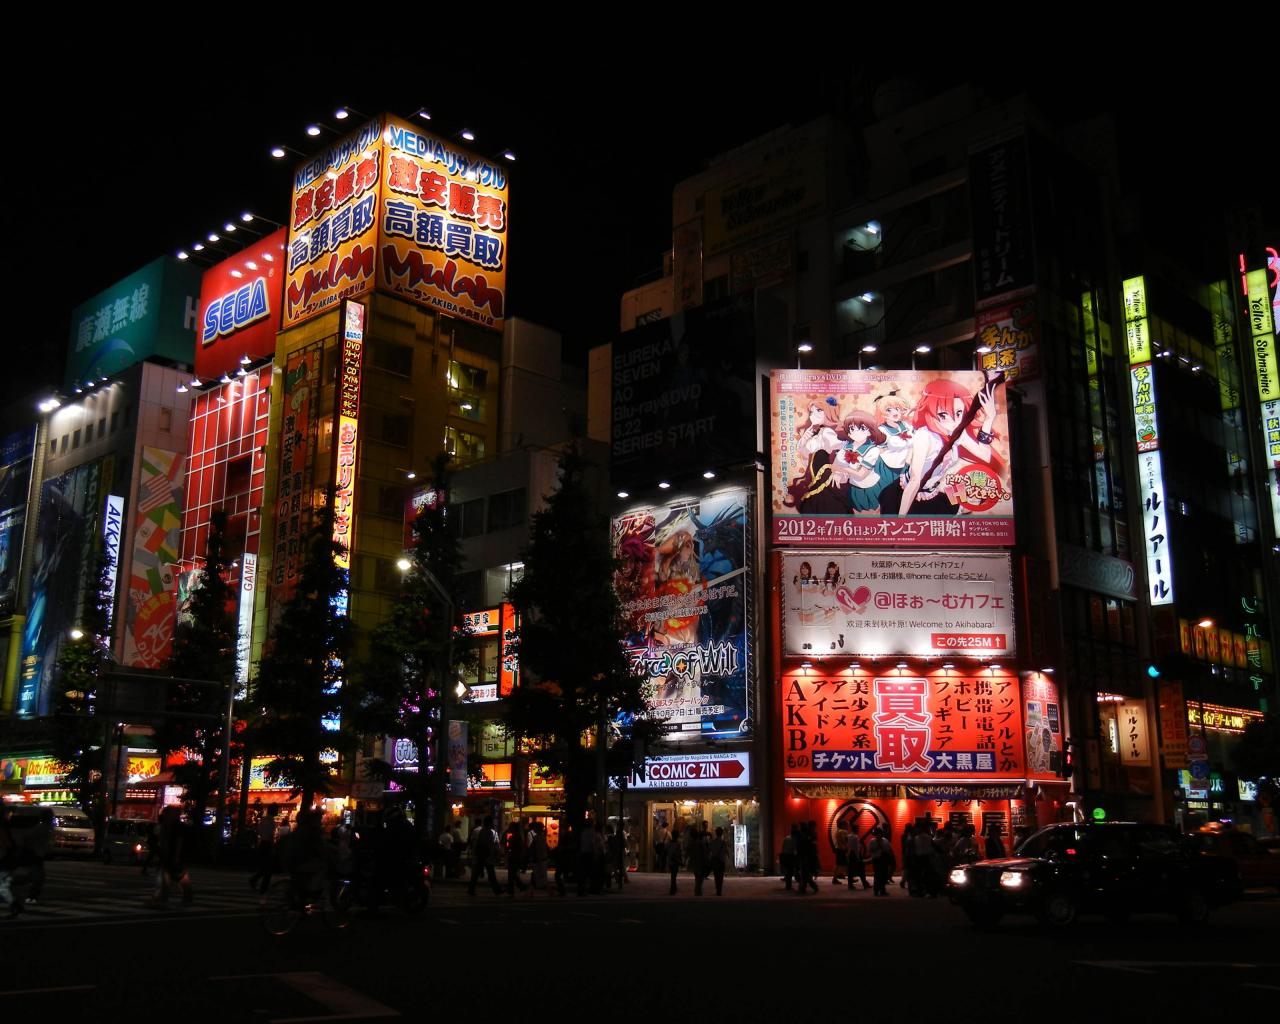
[[293, 493], [1010, 331], [890, 458], [333, 225], [152, 609], [509, 655], [949, 725], [1173, 725], [442, 234], [458, 759], [346, 430], [1155, 520], [112, 532], [683, 581], [1003, 243], [244, 641], [1263, 343], [1135, 738]]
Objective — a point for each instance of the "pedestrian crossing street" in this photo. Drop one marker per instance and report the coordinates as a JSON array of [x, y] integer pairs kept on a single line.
[[79, 893]]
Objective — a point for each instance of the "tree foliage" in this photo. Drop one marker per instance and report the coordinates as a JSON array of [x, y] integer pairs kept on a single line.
[[81, 730], [575, 680], [204, 648], [415, 654], [298, 696], [1257, 755]]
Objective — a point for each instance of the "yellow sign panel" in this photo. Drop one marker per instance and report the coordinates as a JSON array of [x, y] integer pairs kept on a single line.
[[442, 236], [1135, 321], [1262, 329], [333, 221], [789, 186], [393, 208]]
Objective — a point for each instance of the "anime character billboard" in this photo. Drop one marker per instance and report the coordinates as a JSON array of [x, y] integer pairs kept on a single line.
[[683, 582], [901, 458]]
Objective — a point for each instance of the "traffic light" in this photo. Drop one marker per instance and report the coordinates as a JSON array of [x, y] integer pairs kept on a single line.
[[1067, 766]]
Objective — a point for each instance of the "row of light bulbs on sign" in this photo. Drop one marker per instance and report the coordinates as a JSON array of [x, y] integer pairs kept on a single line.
[[226, 378], [948, 666]]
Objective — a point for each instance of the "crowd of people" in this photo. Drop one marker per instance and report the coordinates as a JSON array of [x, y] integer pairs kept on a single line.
[[928, 853]]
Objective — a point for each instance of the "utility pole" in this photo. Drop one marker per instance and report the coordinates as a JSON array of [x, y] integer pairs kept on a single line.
[[439, 785]]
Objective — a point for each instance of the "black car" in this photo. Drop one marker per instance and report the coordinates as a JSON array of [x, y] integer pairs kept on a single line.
[[1111, 868]]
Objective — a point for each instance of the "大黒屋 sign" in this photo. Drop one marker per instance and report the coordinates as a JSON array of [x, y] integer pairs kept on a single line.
[[951, 725]]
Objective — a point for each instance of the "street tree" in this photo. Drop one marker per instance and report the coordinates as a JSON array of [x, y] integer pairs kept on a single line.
[[575, 679], [298, 699], [81, 726], [415, 658], [204, 648], [1257, 755]]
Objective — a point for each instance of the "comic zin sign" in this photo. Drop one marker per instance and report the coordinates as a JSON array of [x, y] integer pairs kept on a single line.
[[949, 725], [901, 458]]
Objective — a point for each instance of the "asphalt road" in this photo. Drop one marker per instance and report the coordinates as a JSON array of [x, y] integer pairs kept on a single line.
[[93, 950]]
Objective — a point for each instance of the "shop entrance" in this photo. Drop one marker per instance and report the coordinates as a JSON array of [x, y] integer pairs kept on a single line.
[[740, 820]]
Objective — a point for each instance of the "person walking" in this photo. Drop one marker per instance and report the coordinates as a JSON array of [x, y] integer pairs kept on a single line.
[[994, 846], [699, 858], [443, 852], [173, 854], [842, 855], [538, 857], [672, 858], [880, 850], [787, 856], [660, 839], [484, 857], [965, 850], [265, 853], [515, 843], [857, 859], [807, 855], [907, 844], [921, 862], [33, 849], [718, 854]]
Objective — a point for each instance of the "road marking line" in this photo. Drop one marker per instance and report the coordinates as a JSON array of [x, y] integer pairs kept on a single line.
[[1269, 988], [126, 919], [1139, 966], [346, 1002], [45, 991]]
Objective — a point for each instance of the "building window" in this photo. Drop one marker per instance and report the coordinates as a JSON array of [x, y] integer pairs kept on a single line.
[[715, 288], [467, 385], [397, 359], [394, 429], [166, 420], [467, 518], [463, 447], [75, 440], [386, 577], [53, 447], [128, 415], [507, 509], [115, 419]]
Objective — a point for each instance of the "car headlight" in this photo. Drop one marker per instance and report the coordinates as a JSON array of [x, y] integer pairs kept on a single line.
[[1013, 879], [959, 876]]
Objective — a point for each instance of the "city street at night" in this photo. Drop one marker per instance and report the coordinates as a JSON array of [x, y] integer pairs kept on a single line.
[[542, 956]]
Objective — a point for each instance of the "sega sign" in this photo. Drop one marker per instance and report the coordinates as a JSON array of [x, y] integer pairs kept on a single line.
[[240, 300], [245, 306]]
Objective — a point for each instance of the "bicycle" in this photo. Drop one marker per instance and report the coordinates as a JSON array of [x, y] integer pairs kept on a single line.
[[284, 905]]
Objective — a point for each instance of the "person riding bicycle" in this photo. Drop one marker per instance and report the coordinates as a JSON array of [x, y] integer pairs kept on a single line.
[[303, 855]]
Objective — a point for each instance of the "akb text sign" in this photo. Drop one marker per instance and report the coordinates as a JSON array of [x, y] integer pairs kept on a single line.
[[693, 771]]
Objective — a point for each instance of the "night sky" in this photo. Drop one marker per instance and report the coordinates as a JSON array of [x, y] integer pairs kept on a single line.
[[157, 152]]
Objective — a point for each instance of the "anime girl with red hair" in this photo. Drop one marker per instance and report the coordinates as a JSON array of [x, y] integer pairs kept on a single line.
[[949, 429]]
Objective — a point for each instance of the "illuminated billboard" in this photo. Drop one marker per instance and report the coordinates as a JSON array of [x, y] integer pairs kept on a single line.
[[150, 313], [442, 231], [333, 225], [300, 394], [15, 479], [901, 725], [396, 208], [1155, 518], [62, 569], [346, 430], [152, 608], [876, 604], [904, 458], [1263, 343], [683, 581], [240, 300]]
